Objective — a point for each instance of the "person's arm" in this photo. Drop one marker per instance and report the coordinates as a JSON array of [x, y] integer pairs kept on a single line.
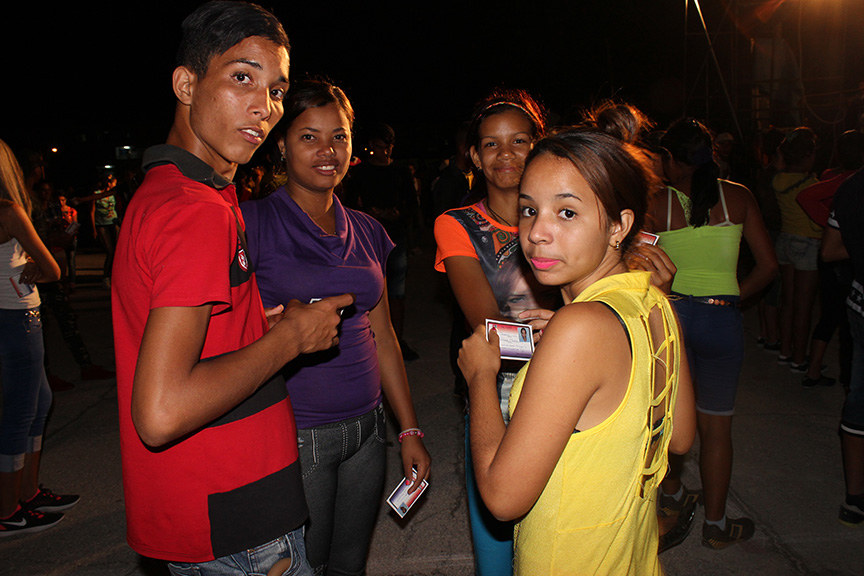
[[761, 246], [176, 393], [684, 411], [97, 196], [41, 266], [832, 248], [567, 372], [93, 220], [457, 258], [815, 200], [472, 290], [394, 382]]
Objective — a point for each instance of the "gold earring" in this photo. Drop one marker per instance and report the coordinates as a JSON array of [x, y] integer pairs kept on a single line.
[[617, 245]]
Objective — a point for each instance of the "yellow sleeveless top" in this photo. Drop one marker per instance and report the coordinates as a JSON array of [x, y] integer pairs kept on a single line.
[[597, 514]]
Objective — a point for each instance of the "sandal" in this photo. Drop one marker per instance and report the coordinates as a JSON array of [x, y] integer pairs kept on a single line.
[[678, 533]]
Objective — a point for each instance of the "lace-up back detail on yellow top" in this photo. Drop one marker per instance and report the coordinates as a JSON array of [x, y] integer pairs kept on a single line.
[[597, 514]]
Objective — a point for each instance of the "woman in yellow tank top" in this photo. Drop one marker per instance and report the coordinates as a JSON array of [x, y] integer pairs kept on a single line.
[[607, 392]]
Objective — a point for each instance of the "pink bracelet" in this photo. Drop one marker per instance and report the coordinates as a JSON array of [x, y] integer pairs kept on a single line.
[[411, 432]]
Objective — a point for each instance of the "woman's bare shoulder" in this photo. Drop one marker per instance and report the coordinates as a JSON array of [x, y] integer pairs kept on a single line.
[[581, 322]]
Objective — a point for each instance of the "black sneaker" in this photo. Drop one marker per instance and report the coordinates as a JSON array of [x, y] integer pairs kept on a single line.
[[850, 514], [801, 368], [669, 506], [47, 501], [737, 530], [814, 382], [772, 347], [26, 521]]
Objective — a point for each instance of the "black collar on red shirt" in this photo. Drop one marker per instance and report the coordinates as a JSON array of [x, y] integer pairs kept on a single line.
[[190, 165]]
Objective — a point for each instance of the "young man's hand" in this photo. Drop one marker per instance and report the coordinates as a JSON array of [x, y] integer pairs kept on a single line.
[[314, 326]]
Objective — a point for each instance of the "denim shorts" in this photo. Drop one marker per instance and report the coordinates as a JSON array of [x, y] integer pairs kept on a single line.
[[800, 252], [714, 339], [287, 554]]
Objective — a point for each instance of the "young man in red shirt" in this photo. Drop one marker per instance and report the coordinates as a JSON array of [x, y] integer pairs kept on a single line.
[[208, 439]]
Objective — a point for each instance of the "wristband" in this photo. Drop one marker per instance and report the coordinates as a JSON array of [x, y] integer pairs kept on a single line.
[[410, 432]]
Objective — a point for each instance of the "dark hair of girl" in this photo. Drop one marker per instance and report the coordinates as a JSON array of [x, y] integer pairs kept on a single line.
[[690, 142], [797, 146], [503, 100], [313, 93], [620, 119], [616, 171]]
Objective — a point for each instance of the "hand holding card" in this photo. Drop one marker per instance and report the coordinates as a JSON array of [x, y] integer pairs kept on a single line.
[[515, 340], [21, 288], [400, 500]]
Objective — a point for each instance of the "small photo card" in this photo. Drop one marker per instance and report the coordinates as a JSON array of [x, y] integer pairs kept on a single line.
[[21, 288], [401, 501], [647, 238], [516, 340]]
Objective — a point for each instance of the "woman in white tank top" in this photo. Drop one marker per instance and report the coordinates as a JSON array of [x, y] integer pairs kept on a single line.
[[24, 260]]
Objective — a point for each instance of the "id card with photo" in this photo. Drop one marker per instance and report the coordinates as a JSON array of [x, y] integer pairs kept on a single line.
[[401, 501], [647, 238], [22, 289], [516, 340]]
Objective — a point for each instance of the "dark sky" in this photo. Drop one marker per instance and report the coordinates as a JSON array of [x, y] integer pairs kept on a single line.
[[80, 75]]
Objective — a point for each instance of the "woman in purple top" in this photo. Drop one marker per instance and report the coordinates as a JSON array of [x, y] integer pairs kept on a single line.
[[305, 245]]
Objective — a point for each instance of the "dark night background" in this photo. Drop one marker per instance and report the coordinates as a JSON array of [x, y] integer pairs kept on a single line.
[[89, 77]]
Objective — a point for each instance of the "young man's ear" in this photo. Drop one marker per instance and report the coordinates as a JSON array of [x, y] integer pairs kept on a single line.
[[183, 82]]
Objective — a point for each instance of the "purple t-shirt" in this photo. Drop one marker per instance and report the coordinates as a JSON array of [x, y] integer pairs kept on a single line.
[[294, 258]]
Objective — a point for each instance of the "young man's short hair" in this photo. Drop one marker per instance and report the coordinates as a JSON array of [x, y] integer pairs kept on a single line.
[[381, 131], [216, 26]]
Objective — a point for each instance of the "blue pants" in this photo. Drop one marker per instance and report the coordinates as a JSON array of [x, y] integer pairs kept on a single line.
[[493, 539], [343, 468], [26, 394], [260, 560], [853, 407]]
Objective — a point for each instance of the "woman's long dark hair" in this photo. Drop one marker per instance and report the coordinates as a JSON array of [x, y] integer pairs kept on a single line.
[[690, 142]]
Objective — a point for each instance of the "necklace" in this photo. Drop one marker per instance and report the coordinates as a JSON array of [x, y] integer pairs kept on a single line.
[[495, 214]]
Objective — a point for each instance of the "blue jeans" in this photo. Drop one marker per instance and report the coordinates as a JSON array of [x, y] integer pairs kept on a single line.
[[493, 539], [343, 466], [26, 394], [397, 271], [288, 550], [853, 408]]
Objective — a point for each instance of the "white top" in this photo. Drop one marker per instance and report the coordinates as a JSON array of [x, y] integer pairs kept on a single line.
[[12, 261]]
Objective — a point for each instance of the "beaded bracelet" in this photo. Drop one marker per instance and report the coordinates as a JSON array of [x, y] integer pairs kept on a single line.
[[410, 432]]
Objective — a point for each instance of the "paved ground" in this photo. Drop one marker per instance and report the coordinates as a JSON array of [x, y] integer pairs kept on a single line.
[[787, 474]]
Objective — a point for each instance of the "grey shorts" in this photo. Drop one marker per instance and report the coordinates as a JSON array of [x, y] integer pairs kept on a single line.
[[800, 252]]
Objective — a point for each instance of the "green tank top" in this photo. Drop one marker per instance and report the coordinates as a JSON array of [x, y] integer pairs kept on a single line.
[[707, 256]]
